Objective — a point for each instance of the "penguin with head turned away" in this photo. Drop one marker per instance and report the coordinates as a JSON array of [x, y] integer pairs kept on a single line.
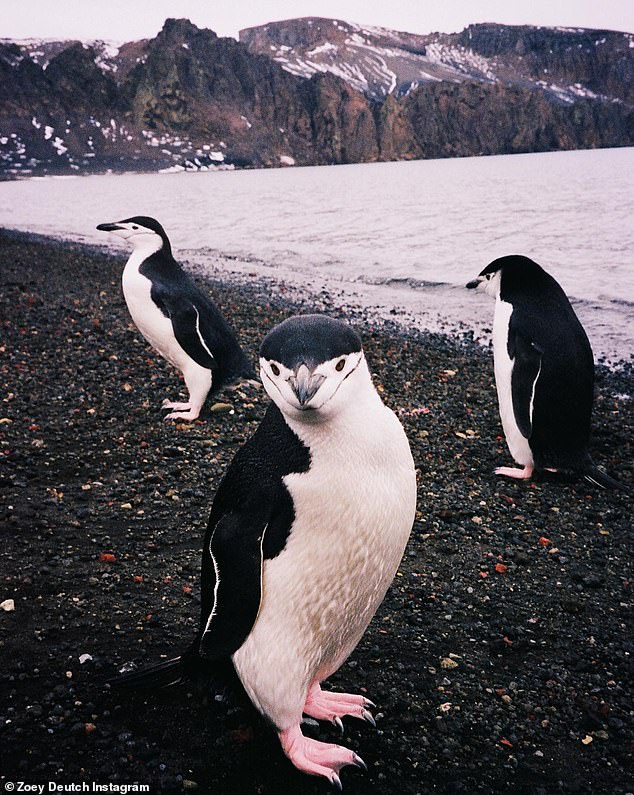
[[306, 532], [544, 371], [174, 316]]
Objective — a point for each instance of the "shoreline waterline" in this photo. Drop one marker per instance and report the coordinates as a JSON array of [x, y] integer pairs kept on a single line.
[[403, 307], [402, 238]]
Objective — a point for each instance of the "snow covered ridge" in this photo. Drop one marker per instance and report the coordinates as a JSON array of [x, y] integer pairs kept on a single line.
[[379, 62], [372, 62], [112, 57], [40, 51]]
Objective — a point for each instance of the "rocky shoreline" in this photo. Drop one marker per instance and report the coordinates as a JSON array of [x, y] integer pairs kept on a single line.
[[500, 660]]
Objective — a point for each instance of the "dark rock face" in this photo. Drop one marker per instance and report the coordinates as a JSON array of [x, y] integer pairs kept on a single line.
[[460, 120], [343, 126], [566, 63], [190, 97], [78, 82], [64, 118], [195, 82], [601, 60], [304, 32]]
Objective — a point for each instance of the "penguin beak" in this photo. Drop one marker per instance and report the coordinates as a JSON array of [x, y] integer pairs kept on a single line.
[[109, 227], [473, 283], [305, 384]]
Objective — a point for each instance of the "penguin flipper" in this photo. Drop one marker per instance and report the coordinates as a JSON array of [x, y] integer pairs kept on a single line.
[[186, 322], [236, 553], [527, 365]]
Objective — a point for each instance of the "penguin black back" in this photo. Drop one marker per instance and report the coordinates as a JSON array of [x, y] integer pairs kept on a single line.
[[564, 391], [167, 275], [544, 370], [253, 491], [197, 340]]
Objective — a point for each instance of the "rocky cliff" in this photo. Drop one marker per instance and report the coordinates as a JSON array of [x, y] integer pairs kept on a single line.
[[297, 93], [564, 63], [466, 119], [577, 62]]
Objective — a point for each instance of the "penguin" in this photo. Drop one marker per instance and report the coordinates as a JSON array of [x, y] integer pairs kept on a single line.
[[178, 321], [544, 371], [306, 532]]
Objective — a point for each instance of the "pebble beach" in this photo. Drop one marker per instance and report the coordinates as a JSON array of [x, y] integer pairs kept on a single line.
[[501, 660]]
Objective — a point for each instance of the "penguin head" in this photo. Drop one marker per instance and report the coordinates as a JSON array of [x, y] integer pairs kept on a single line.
[[312, 366], [516, 269], [488, 280], [140, 231]]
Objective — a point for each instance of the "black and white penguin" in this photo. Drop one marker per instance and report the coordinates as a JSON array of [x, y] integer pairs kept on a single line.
[[306, 533], [178, 321], [544, 371]]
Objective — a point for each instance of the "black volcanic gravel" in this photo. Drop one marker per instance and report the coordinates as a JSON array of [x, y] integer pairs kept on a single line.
[[500, 661]]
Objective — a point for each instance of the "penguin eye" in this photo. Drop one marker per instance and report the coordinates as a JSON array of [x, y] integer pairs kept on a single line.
[[134, 226], [340, 365], [275, 369]]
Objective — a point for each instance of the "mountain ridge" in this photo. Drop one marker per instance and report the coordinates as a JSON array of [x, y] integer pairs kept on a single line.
[[190, 100], [380, 61]]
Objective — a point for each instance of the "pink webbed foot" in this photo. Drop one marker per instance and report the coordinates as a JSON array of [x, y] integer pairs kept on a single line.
[[192, 414], [170, 404], [317, 758], [326, 705], [518, 474]]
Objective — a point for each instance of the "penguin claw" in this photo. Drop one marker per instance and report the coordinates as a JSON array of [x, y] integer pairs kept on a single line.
[[359, 762], [369, 717], [336, 782], [332, 706], [317, 758]]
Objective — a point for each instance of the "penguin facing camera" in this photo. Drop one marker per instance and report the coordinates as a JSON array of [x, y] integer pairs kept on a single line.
[[544, 371], [306, 532], [178, 321]]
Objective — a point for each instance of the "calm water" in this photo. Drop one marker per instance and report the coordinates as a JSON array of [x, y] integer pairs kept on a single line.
[[389, 235]]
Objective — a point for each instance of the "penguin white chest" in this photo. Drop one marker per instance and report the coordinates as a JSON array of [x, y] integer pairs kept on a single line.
[[351, 525], [148, 318], [503, 366]]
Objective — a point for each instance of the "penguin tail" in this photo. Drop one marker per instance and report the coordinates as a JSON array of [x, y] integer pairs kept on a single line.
[[218, 676], [595, 476], [152, 677]]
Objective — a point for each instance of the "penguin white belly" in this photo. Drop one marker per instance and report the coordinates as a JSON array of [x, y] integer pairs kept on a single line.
[[503, 366], [320, 593], [148, 318]]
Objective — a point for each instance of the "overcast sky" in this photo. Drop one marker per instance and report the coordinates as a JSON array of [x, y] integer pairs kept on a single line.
[[126, 20]]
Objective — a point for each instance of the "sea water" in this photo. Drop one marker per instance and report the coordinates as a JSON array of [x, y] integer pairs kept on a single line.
[[401, 238]]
